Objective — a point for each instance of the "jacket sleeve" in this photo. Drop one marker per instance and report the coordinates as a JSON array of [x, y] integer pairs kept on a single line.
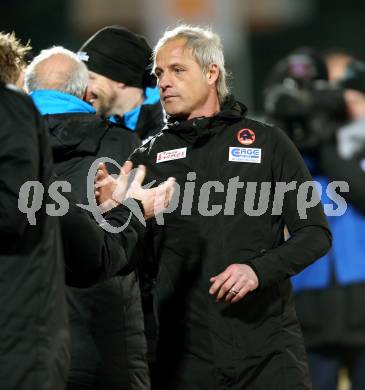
[[93, 254], [339, 169], [310, 237], [19, 157]]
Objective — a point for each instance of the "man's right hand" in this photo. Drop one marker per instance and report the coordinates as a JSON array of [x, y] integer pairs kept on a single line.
[[110, 192]]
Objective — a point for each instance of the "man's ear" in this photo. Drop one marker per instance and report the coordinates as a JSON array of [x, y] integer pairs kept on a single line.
[[120, 85], [84, 96], [212, 74]]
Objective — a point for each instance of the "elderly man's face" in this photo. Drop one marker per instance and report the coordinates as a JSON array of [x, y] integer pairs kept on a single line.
[[101, 93], [183, 85]]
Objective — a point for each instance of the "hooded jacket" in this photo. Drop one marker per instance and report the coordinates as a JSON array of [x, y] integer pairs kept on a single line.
[[256, 343], [108, 344]]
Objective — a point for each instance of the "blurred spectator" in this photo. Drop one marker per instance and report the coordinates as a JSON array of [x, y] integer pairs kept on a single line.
[[299, 98], [336, 61], [121, 84], [330, 293], [34, 346], [108, 343], [353, 81]]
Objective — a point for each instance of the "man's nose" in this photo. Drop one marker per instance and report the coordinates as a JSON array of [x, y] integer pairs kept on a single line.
[[164, 81]]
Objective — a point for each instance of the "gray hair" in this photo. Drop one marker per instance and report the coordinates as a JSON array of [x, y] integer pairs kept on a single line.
[[72, 79], [206, 48]]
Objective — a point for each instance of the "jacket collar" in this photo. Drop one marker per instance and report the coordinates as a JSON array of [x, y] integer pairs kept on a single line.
[[202, 127], [131, 118], [56, 102]]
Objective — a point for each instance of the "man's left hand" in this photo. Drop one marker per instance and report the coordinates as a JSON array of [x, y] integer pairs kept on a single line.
[[233, 283]]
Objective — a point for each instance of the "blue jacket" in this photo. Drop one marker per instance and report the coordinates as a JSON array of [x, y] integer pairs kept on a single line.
[[345, 262]]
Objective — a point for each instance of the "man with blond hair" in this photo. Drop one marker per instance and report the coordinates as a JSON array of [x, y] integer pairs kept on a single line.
[[225, 309]]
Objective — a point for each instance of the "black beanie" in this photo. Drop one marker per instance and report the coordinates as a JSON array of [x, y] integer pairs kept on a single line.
[[120, 55], [354, 76]]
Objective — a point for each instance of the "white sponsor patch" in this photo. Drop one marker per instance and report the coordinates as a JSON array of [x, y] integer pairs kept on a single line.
[[168, 155], [250, 155]]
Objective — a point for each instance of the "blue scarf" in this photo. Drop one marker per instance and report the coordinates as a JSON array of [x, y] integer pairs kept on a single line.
[[55, 102]]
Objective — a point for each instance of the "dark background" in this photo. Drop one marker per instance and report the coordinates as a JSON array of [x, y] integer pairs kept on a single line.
[[333, 24]]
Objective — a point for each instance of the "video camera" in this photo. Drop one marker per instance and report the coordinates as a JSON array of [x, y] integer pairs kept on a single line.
[[299, 99]]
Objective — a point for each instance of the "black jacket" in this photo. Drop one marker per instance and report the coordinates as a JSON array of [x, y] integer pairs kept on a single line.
[[108, 344], [255, 343], [34, 346], [150, 120]]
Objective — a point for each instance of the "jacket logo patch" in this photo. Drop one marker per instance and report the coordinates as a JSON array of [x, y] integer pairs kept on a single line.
[[250, 155], [246, 136], [168, 155]]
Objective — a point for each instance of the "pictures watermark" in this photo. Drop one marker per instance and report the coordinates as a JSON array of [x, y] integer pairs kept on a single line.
[[208, 199]]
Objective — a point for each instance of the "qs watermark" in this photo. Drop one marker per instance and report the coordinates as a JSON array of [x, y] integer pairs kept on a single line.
[[208, 199]]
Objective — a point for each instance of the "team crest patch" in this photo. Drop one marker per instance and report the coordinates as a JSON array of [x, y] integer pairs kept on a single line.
[[246, 136], [168, 155]]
